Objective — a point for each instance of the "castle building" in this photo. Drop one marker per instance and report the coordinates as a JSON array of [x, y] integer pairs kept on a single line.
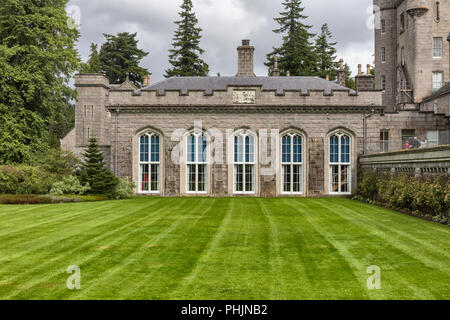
[[265, 136]]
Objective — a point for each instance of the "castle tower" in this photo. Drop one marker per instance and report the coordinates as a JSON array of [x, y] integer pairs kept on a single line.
[[411, 53]]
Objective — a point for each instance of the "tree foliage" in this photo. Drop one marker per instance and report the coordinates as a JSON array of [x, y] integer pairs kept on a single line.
[[326, 54], [93, 65], [296, 54], [120, 58], [349, 80], [185, 55], [94, 172], [37, 59]]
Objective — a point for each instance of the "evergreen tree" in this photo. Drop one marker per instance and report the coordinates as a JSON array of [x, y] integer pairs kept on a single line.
[[326, 54], [93, 64], [120, 57], [37, 59], [93, 171], [296, 53], [185, 55], [349, 80]]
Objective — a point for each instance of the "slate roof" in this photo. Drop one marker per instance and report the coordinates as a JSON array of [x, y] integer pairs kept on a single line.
[[278, 84], [441, 92]]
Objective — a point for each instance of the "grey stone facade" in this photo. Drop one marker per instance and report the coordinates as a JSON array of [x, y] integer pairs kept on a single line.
[[264, 107]]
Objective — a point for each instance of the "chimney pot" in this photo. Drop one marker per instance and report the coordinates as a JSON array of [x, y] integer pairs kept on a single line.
[[327, 77], [288, 73], [359, 69], [341, 65], [368, 69], [245, 42]]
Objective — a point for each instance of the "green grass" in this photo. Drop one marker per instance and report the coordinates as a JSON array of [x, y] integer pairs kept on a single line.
[[232, 248]]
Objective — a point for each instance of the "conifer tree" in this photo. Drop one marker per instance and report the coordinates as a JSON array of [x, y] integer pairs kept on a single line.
[[37, 59], [326, 54], [349, 81], [296, 53], [120, 58], [93, 64], [185, 54], [93, 171]]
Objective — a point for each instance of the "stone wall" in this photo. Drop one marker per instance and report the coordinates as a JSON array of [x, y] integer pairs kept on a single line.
[[418, 162]]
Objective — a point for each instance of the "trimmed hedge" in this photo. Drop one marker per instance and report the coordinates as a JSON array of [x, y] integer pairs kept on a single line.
[[420, 196]]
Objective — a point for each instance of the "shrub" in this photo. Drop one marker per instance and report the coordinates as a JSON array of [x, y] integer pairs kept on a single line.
[[124, 190], [61, 163], [69, 185], [25, 180], [425, 197]]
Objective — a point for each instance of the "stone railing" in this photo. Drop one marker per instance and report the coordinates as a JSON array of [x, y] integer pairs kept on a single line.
[[419, 162]]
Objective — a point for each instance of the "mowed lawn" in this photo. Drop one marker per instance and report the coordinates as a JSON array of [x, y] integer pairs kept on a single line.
[[231, 248]]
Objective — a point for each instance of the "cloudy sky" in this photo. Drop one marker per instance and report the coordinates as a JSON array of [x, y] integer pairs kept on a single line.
[[224, 24]]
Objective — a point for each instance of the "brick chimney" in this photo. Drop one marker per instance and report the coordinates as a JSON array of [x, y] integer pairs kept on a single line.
[[341, 73], [146, 81], [275, 70], [245, 60]]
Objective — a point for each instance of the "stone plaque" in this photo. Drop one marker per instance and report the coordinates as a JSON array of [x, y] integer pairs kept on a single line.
[[244, 97]]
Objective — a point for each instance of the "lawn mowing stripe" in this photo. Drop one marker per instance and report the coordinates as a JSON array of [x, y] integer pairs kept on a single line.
[[322, 253], [439, 264], [196, 269], [104, 221], [276, 264], [370, 248], [376, 212], [174, 228], [50, 220], [67, 254], [128, 259], [432, 259]]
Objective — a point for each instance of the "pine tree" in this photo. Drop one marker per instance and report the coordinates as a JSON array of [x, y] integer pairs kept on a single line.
[[93, 64], [37, 60], [120, 57], [185, 55], [326, 54], [93, 171], [296, 53], [349, 81]]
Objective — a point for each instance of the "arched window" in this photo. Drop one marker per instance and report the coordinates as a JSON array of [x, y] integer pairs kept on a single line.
[[340, 164], [149, 163], [196, 162], [292, 163], [244, 163]]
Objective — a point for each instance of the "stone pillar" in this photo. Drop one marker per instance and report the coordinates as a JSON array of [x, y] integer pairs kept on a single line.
[[341, 73], [245, 59], [275, 71]]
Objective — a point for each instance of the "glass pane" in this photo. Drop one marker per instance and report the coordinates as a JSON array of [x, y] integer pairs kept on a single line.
[[297, 179], [201, 178], [191, 173], [238, 149], [144, 177], [191, 149], [249, 174], [345, 179], [334, 171], [144, 149], [286, 149], [202, 143], [154, 184], [286, 178], [345, 149], [239, 177], [249, 149], [297, 149], [334, 149], [155, 149]]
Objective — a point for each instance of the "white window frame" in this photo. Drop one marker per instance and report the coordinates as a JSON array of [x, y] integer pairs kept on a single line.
[[244, 134], [440, 48], [150, 163], [197, 162], [291, 163], [340, 164], [441, 83]]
